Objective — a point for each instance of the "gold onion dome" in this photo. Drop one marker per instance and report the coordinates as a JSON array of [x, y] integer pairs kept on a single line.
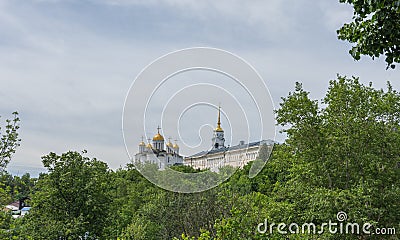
[[175, 146], [142, 144], [158, 136], [149, 145], [169, 144]]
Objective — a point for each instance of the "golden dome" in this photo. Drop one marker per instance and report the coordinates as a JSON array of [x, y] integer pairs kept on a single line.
[[169, 144], [175, 146], [158, 136], [142, 143], [149, 145], [219, 129]]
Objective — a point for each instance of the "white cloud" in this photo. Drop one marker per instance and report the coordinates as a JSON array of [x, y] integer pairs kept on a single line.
[[270, 15]]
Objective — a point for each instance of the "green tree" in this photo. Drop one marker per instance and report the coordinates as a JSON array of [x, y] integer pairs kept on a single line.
[[129, 191], [375, 29], [352, 139], [164, 214], [345, 154], [71, 201], [9, 140], [8, 143]]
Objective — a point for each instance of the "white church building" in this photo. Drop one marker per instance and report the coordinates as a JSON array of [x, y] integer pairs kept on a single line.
[[164, 155]]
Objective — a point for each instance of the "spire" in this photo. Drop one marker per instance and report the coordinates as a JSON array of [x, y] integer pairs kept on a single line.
[[148, 144], [169, 144], [219, 116], [219, 129], [176, 145], [142, 142]]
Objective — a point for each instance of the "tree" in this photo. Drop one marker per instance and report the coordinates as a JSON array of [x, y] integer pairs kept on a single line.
[[354, 137], [9, 140], [165, 214], [348, 150], [71, 201], [8, 143], [375, 30]]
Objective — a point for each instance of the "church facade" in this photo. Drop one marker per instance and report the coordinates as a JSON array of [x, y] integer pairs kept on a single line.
[[164, 155]]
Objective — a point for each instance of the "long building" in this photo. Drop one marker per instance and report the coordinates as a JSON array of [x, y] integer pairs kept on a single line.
[[220, 155], [236, 156]]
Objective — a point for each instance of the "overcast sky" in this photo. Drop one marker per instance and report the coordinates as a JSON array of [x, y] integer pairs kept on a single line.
[[66, 66]]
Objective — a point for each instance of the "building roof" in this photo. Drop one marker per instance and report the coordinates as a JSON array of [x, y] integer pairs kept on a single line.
[[26, 209], [13, 205], [236, 147], [158, 137]]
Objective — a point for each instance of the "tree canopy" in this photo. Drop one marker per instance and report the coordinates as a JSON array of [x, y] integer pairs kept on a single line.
[[9, 140], [375, 30], [72, 200]]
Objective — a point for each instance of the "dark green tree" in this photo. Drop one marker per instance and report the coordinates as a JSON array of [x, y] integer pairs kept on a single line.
[[375, 30]]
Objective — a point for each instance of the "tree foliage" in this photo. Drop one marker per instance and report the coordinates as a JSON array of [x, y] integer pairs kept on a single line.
[[9, 140], [72, 200], [352, 139], [375, 30]]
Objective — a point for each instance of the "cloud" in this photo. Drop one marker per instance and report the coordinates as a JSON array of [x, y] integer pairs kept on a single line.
[[267, 14]]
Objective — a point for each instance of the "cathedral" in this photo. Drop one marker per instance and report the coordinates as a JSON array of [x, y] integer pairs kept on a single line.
[[165, 155]]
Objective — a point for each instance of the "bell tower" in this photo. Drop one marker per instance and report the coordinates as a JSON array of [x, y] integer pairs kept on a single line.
[[218, 139]]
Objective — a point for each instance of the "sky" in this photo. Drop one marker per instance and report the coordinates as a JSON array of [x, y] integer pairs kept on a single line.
[[66, 65]]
